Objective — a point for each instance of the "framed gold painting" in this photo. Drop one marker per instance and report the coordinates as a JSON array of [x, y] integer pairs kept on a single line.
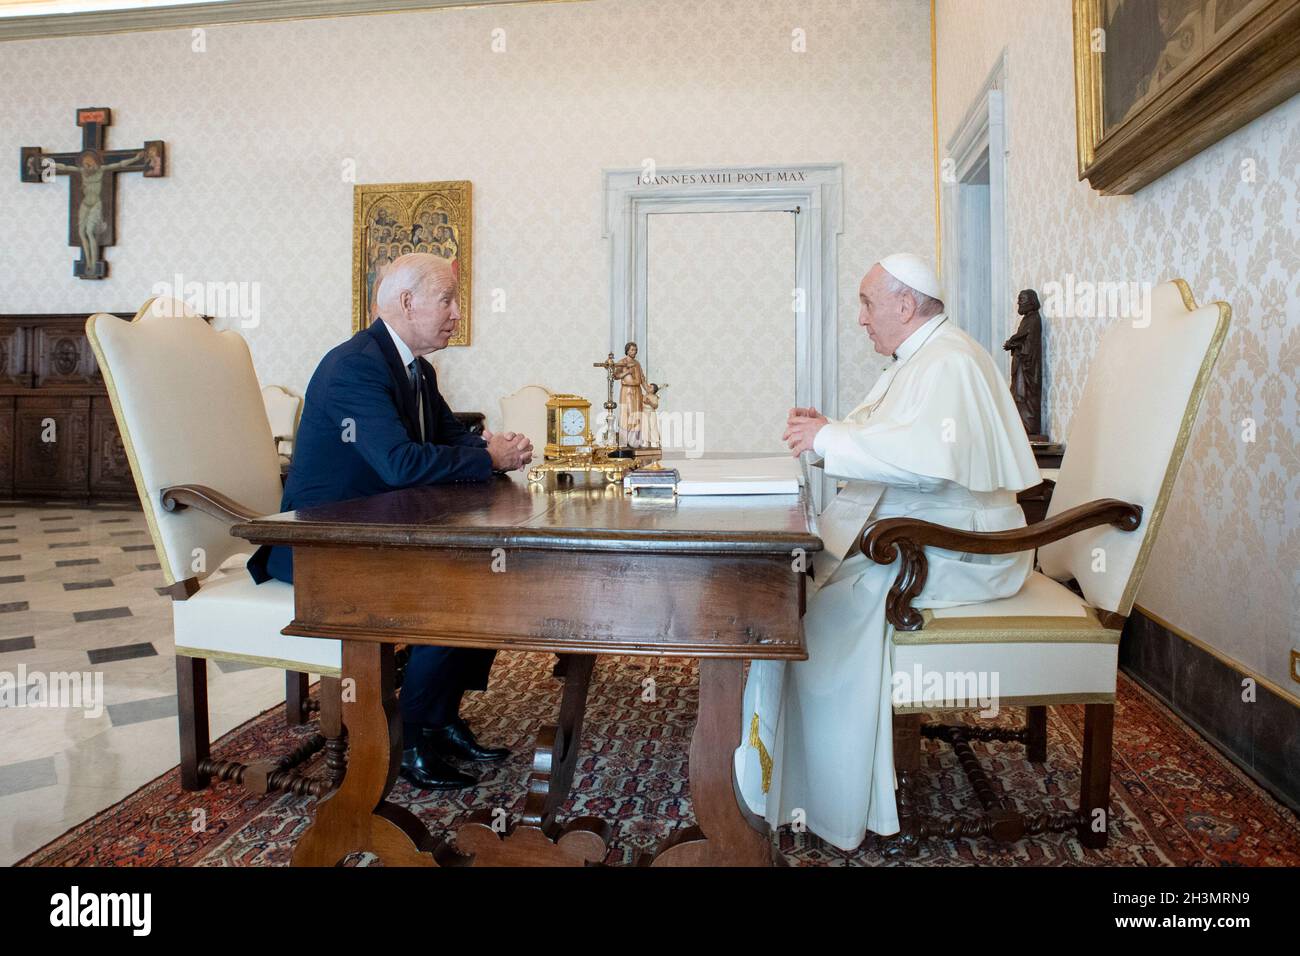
[[1157, 81], [392, 219]]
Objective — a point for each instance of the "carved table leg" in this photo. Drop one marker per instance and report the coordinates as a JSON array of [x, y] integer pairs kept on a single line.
[[356, 817], [724, 835], [538, 839], [568, 734]]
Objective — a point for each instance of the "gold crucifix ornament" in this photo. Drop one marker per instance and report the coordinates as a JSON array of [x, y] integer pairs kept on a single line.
[[617, 371]]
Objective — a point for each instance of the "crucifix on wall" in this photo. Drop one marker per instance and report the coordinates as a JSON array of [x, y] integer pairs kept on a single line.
[[92, 171]]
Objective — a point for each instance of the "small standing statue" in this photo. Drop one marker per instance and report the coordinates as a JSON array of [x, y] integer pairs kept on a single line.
[[1026, 348], [629, 372], [650, 416]]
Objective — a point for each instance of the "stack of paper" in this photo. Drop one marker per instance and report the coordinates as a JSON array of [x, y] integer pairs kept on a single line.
[[739, 476]]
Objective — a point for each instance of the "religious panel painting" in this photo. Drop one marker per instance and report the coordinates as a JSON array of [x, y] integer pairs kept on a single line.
[[1157, 81], [390, 220]]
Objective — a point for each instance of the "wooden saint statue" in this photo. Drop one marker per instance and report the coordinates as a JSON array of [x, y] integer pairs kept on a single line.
[[1026, 348], [649, 430], [631, 397]]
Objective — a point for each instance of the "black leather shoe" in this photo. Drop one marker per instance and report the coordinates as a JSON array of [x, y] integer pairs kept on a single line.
[[457, 740], [424, 769]]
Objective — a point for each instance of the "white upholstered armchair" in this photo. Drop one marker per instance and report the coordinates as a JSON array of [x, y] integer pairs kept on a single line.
[[1052, 643], [282, 411], [196, 435], [525, 412]]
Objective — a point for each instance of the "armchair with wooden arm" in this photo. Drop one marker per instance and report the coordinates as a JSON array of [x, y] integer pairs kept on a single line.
[[1051, 644], [906, 539], [196, 434]]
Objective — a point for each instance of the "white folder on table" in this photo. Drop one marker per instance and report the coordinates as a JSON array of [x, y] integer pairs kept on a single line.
[[739, 476]]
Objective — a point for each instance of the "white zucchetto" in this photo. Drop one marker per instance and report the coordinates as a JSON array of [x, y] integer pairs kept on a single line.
[[913, 271]]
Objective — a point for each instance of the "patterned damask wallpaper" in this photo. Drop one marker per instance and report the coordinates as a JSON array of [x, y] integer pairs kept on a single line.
[[529, 102], [1226, 568]]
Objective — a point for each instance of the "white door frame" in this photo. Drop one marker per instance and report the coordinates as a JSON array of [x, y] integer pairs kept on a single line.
[[814, 189], [982, 129]]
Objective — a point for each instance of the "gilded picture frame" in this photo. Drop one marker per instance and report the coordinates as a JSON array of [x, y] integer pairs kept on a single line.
[[1157, 81], [390, 219]]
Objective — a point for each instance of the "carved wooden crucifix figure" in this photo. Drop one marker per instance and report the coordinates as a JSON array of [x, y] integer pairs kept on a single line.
[[92, 171]]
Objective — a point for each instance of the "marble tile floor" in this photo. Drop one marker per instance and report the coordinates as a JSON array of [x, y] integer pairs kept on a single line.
[[78, 597]]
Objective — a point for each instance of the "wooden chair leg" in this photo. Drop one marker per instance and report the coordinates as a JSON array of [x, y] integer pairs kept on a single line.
[[295, 698], [331, 728], [1094, 782], [1036, 733], [192, 713], [907, 764]]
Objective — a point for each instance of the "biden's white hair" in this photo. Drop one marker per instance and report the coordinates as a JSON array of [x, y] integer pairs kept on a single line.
[[418, 272]]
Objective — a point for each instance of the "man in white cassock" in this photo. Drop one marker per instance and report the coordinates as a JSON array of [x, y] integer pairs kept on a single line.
[[938, 438]]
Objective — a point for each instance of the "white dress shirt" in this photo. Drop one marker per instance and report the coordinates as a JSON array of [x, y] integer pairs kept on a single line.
[[403, 350]]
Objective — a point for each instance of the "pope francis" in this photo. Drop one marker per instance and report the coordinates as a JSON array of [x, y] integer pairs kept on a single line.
[[939, 438]]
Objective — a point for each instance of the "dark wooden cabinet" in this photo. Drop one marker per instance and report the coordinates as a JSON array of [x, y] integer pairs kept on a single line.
[[62, 357], [58, 436], [6, 447], [51, 448], [15, 371], [110, 472]]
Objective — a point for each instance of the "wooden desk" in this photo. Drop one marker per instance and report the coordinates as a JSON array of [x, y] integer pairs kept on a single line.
[[576, 571]]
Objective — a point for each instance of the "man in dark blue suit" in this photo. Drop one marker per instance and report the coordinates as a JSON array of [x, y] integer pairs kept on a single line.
[[373, 421]]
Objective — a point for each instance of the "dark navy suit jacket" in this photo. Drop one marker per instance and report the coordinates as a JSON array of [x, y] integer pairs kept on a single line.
[[360, 435]]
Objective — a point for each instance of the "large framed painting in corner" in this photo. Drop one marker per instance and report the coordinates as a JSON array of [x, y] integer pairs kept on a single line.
[[1157, 81], [392, 219]]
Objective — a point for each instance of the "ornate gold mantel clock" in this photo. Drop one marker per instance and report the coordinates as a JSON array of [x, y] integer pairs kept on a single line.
[[570, 446], [568, 426]]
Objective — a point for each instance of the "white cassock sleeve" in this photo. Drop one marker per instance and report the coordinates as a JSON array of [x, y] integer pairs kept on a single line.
[[845, 457], [841, 523]]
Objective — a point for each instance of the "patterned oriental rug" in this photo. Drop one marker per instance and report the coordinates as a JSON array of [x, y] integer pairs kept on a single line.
[[1175, 800]]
